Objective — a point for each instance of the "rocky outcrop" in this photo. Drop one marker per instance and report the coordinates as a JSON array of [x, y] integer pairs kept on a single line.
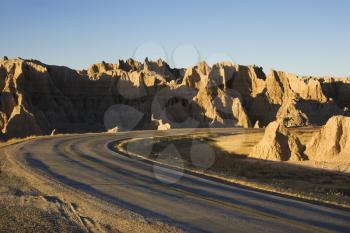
[[163, 126], [240, 114], [249, 81], [222, 109], [129, 65], [297, 100], [37, 98], [95, 70], [291, 115], [194, 79], [281, 86], [53, 132], [278, 144], [332, 142], [257, 125], [307, 88]]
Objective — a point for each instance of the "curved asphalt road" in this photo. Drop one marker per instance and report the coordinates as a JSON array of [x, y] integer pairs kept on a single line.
[[193, 204]]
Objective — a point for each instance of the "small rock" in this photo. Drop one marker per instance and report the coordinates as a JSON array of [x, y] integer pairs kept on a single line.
[[257, 124], [113, 130], [53, 132]]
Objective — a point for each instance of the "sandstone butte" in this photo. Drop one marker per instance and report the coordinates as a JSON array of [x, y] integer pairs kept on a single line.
[[278, 144], [332, 142], [37, 98]]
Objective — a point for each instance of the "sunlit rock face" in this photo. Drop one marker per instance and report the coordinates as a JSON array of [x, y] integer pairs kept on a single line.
[[278, 144], [332, 142], [37, 98]]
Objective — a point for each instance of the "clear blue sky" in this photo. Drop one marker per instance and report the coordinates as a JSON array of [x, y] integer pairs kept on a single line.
[[302, 36]]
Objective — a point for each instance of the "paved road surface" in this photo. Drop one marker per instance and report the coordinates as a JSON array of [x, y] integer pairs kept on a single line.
[[194, 204]]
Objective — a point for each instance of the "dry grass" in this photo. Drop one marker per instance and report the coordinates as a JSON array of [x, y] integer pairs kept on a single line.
[[15, 140], [231, 163]]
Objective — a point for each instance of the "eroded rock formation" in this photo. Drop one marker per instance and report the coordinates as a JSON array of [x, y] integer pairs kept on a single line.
[[332, 142], [37, 98], [278, 144]]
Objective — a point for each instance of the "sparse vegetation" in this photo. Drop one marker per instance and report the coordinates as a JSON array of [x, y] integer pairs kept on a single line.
[[231, 163]]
